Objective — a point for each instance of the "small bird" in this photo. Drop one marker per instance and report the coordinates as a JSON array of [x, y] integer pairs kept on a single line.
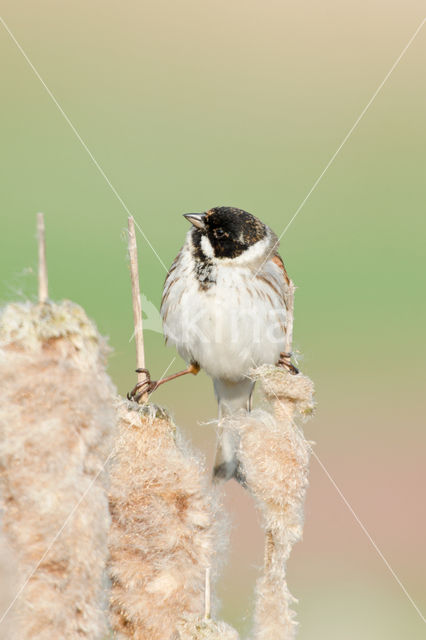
[[224, 308]]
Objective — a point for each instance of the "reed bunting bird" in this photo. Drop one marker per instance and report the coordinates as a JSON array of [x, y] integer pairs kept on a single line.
[[224, 309]]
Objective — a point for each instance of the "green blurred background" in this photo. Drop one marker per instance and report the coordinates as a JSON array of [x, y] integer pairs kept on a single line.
[[191, 104]]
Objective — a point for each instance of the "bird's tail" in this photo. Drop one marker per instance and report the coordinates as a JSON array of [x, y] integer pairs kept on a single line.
[[232, 397]]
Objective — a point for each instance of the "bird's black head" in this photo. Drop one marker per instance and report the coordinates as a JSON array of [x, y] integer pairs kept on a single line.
[[230, 231]]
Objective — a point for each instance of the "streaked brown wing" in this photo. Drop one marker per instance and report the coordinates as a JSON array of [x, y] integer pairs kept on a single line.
[[277, 284], [279, 262], [288, 294], [168, 283]]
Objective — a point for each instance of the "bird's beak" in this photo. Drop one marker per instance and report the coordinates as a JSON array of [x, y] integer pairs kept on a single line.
[[197, 219]]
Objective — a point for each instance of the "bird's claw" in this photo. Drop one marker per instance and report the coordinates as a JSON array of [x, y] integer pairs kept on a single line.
[[146, 386], [285, 362]]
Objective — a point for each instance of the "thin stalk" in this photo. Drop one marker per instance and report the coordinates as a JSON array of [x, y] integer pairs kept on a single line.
[[43, 292], [137, 308]]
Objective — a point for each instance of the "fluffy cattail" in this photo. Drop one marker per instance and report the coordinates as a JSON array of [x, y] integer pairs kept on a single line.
[[56, 427], [274, 458], [164, 532]]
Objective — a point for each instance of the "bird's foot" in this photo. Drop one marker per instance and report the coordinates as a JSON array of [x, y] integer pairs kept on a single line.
[[146, 386], [285, 362]]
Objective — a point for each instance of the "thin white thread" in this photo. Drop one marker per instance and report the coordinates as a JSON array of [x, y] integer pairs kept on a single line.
[[67, 520], [167, 369], [368, 535], [80, 139], [345, 139]]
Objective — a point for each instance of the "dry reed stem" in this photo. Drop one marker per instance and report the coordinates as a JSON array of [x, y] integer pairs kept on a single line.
[[43, 293], [136, 301], [56, 426], [207, 595], [165, 528]]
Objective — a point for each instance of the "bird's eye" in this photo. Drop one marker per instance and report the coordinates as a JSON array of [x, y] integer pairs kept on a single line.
[[219, 233]]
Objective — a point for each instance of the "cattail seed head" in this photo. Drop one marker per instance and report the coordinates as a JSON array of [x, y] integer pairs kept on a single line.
[[165, 526], [56, 429]]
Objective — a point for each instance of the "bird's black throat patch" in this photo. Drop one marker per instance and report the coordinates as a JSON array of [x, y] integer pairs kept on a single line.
[[203, 265]]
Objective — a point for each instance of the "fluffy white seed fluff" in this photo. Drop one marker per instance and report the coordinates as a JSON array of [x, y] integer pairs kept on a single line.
[[56, 428], [274, 457], [165, 528]]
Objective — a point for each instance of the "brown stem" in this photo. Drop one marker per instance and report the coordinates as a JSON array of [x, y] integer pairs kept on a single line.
[[137, 309], [42, 266], [269, 549], [207, 595]]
